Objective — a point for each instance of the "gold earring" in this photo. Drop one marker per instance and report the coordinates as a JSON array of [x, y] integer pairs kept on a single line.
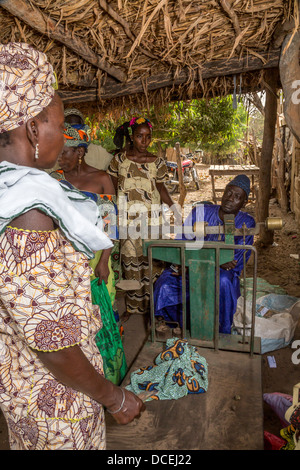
[[79, 160], [36, 153]]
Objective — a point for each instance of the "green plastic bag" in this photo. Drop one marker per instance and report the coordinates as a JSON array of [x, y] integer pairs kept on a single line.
[[262, 288], [108, 339]]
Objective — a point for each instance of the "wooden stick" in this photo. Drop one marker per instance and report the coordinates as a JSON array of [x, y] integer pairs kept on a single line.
[[111, 12], [234, 19], [182, 188]]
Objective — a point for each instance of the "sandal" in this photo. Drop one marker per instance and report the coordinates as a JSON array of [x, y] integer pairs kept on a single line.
[[177, 331], [159, 321], [162, 330]]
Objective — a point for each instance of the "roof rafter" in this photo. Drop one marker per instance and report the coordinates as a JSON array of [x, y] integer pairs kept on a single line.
[[209, 70]]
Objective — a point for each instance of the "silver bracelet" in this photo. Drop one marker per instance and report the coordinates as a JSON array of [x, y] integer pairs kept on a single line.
[[122, 404]]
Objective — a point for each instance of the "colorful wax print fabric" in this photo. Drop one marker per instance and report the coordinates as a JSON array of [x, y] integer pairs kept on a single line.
[[137, 188], [77, 215], [178, 371], [46, 305]]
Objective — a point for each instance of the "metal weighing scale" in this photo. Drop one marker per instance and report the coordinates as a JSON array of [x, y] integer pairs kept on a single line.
[[229, 415]]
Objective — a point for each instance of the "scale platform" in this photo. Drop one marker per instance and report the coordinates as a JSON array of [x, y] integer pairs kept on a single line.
[[229, 416]]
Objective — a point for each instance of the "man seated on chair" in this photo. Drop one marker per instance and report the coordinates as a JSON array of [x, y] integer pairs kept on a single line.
[[167, 288]]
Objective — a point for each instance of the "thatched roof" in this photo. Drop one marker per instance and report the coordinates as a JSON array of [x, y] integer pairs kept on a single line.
[[113, 52]]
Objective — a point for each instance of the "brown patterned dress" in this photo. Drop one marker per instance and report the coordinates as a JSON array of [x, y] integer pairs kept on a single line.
[[46, 306], [137, 189]]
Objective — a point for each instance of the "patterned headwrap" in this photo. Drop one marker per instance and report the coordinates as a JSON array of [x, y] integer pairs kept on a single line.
[[243, 182], [26, 84], [77, 135]]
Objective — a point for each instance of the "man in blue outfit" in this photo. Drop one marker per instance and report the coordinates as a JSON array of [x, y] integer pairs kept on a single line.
[[167, 289]]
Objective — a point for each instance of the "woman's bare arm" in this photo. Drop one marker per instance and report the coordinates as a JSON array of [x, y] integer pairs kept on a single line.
[[115, 183], [70, 366], [108, 185]]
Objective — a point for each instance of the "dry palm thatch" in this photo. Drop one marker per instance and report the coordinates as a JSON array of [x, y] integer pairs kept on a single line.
[[121, 54]]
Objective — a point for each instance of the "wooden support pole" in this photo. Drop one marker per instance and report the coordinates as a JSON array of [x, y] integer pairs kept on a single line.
[[271, 80], [182, 188], [32, 16], [280, 167]]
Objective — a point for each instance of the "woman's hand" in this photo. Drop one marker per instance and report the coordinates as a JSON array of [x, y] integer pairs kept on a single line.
[[177, 270], [164, 194], [102, 268], [128, 407]]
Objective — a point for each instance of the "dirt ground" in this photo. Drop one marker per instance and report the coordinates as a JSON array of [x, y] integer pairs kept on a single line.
[[277, 267]]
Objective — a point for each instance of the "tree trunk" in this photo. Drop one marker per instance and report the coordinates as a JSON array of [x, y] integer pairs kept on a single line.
[[271, 79]]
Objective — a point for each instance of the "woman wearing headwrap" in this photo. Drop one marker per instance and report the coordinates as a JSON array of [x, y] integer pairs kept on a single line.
[[96, 184], [97, 156], [52, 389], [138, 177]]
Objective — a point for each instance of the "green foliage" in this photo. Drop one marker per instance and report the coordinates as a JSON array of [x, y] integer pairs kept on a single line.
[[256, 125], [220, 125], [214, 126], [102, 132]]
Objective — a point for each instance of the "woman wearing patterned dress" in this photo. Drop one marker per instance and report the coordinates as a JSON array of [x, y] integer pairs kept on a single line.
[[139, 178], [52, 388], [96, 184]]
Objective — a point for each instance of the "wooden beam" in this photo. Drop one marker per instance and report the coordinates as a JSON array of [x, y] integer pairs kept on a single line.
[[32, 16], [209, 70]]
